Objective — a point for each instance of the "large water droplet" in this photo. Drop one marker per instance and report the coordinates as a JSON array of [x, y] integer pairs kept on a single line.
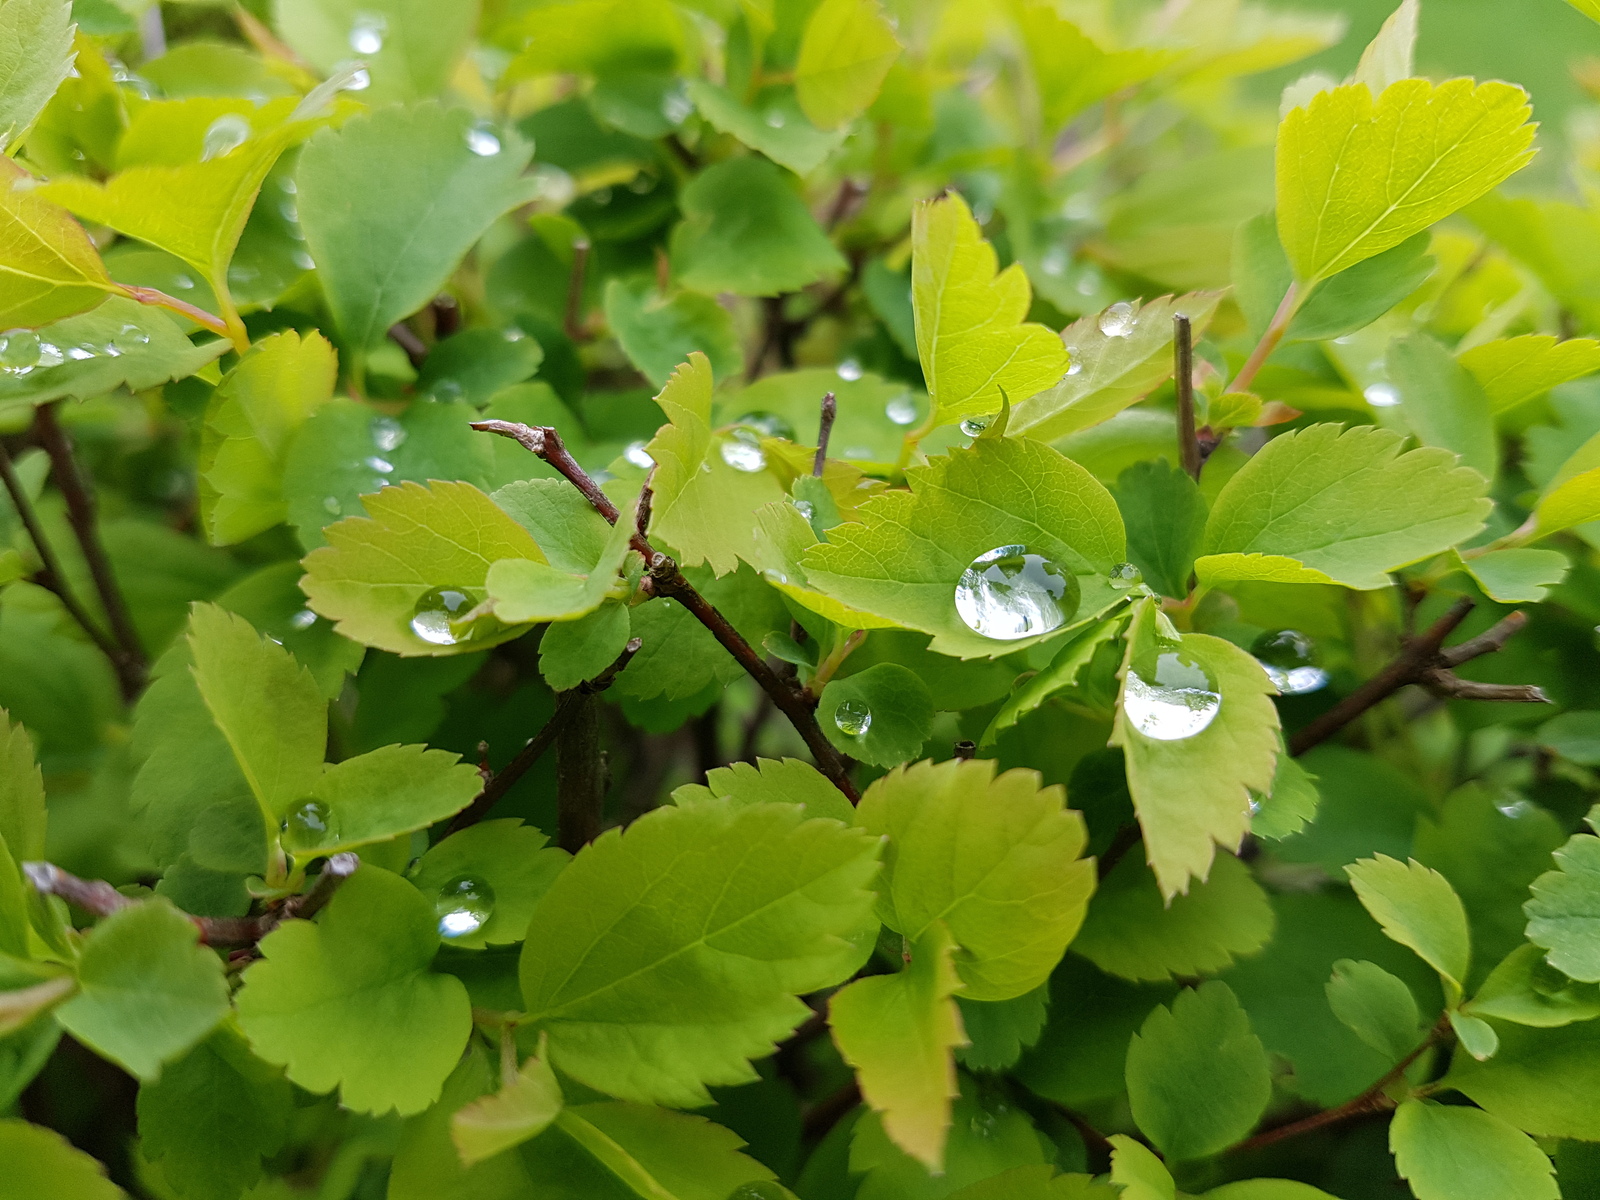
[[387, 434], [304, 619], [1118, 320], [850, 370], [464, 905], [973, 426], [1125, 575], [227, 132], [639, 456], [1173, 700], [435, 611], [482, 140], [367, 32], [1381, 395], [1290, 660], [853, 718], [902, 410], [309, 825], [742, 451], [19, 350], [1010, 593], [132, 333]]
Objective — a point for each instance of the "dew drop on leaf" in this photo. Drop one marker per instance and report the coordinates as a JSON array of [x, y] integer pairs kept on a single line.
[[227, 132], [19, 349], [434, 612], [743, 452], [482, 140], [304, 619], [1290, 660], [464, 905], [1381, 395], [387, 434], [1118, 320], [367, 32], [331, 506], [1172, 699], [1076, 364], [902, 410], [806, 508], [309, 825], [973, 426], [850, 370], [853, 718], [1011, 593], [1125, 576], [639, 456], [132, 333], [765, 424]]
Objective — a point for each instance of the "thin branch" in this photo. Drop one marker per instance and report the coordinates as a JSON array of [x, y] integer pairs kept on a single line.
[[830, 410], [827, 1112], [156, 298], [666, 580], [52, 578], [494, 789], [1183, 382], [1126, 838], [1424, 662], [571, 321], [405, 337], [580, 774], [1278, 326]]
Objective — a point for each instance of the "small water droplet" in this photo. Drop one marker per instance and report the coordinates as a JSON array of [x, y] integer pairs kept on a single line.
[[309, 825], [1381, 395], [446, 391], [382, 465], [676, 105], [434, 613], [289, 211], [132, 333], [1289, 658], [639, 456], [387, 434], [19, 350], [765, 424], [642, 184], [82, 352], [1174, 700], [1118, 320], [1054, 261], [227, 132], [367, 32], [775, 118], [805, 508], [332, 506], [303, 260], [850, 370], [464, 906], [304, 619], [359, 81], [973, 426], [902, 410], [853, 718], [1125, 575], [182, 282], [743, 455], [1076, 364], [1010, 593], [482, 140]]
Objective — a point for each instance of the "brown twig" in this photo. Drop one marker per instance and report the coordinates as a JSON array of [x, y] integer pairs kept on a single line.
[[1183, 382], [667, 580], [1125, 839], [1423, 661], [131, 663], [830, 410], [580, 772], [1276, 328], [964, 750], [405, 337], [494, 789], [571, 320]]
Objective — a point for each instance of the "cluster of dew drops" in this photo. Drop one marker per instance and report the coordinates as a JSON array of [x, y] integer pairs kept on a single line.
[[24, 351]]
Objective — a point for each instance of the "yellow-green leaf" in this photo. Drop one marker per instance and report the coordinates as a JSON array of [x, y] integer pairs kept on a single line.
[[49, 268], [1513, 370], [847, 49], [1574, 501], [522, 1108]]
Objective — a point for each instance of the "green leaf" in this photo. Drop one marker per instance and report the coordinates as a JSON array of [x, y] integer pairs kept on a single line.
[[846, 50], [213, 1116], [1138, 1172], [1347, 503], [767, 781], [1475, 1036], [1574, 736], [146, 990], [1192, 794], [149, 349], [1109, 371], [572, 652], [1376, 1006], [872, 412], [1589, 8], [1130, 931], [1417, 907], [1448, 1153], [1518, 575], [22, 806], [40, 1162], [1404, 160], [703, 505], [1061, 675], [1070, 71], [251, 417], [639, 963], [1388, 57], [409, 47], [898, 1032], [512, 858], [657, 332], [1564, 911], [1512, 371], [772, 122], [1267, 1189], [1221, 570], [35, 56], [374, 570], [1290, 806], [385, 792], [271, 600], [428, 1163], [1525, 989], [1198, 1078], [972, 336], [349, 1001], [903, 561], [1571, 501], [1443, 402], [49, 268], [523, 1108], [1544, 1081], [525, 590], [881, 715], [1165, 516], [745, 231], [391, 202], [472, 366], [998, 1031], [1037, 1183], [994, 858]]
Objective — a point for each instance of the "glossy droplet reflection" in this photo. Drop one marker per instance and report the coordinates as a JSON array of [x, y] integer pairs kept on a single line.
[[387, 434], [482, 140], [367, 32], [1125, 575], [973, 426], [434, 612], [902, 410], [1011, 593], [765, 424], [227, 132], [1118, 320], [309, 825], [1173, 699], [853, 718], [1290, 660], [742, 451], [464, 906], [850, 370]]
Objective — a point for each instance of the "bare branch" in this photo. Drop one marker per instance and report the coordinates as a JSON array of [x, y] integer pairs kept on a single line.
[[416, 349], [572, 318], [830, 410], [1183, 382]]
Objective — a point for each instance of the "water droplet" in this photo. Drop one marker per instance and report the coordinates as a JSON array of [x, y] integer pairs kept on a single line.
[[1010, 593], [759, 1189], [482, 140], [902, 410], [359, 81], [805, 508], [132, 333], [464, 905], [332, 506], [743, 455], [227, 132], [367, 32], [775, 118], [1289, 658], [182, 282], [303, 260], [1174, 700], [1125, 575], [853, 718], [289, 211], [19, 350], [1076, 364], [382, 465], [973, 426], [765, 424], [446, 391], [434, 613], [1054, 261], [1118, 320], [387, 434], [642, 184], [639, 456], [1381, 395], [676, 105], [309, 825], [513, 334], [304, 619], [82, 352], [850, 370]]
